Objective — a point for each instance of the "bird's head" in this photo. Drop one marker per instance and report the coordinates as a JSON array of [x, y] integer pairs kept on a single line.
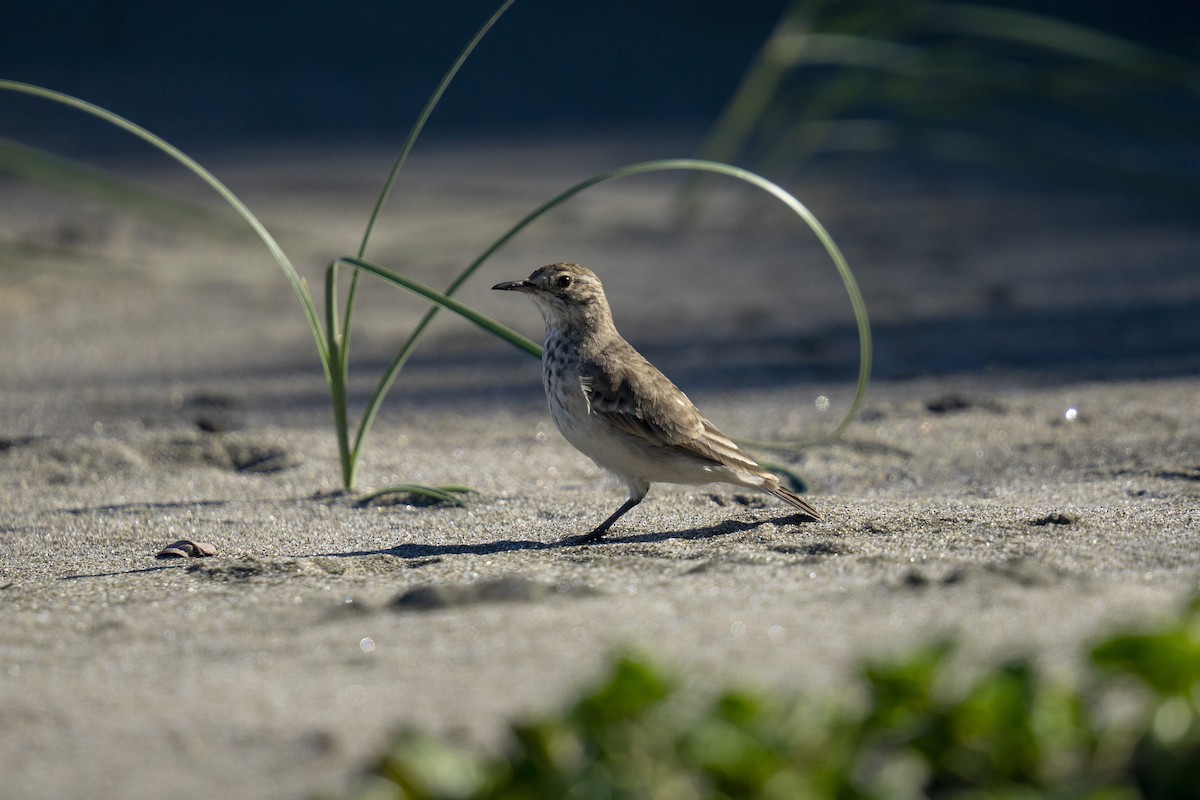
[[567, 294]]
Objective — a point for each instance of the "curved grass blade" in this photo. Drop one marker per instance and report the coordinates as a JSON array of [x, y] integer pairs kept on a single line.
[[298, 284], [445, 495]]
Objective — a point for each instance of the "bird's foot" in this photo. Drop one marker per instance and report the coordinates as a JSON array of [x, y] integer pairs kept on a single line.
[[586, 538]]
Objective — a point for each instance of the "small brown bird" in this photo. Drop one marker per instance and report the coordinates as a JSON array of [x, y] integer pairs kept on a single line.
[[617, 409]]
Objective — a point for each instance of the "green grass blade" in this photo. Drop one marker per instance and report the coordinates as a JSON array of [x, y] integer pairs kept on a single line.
[[338, 376], [405, 149], [443, 300], [419, 125], [797, 49], [298, 284]]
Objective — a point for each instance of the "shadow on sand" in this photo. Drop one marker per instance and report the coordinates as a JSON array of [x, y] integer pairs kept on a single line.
[[423, 551]]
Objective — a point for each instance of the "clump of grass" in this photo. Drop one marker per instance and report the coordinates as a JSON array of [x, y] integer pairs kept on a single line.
[[967, 83], [1009, 733], [331, 324]]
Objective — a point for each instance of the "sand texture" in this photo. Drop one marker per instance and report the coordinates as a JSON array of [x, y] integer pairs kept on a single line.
[[1025, 472]]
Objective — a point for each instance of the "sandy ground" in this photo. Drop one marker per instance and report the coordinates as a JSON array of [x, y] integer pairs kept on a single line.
[[1025, 472]]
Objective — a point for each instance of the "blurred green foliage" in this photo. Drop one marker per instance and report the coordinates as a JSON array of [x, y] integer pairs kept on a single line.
[[966, 82], [1129, 729]]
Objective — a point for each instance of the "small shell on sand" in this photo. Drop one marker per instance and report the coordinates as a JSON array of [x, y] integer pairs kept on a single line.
[[186, 548]]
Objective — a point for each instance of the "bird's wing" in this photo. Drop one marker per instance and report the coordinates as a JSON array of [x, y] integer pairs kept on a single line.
[[638, 400]]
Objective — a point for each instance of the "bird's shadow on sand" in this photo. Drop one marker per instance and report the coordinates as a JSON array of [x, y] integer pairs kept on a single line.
[[422, 551]]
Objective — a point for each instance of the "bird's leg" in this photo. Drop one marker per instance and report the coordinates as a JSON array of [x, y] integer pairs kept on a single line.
[[595, 536]]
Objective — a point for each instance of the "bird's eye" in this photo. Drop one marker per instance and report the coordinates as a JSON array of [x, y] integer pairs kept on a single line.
[[563, 281]]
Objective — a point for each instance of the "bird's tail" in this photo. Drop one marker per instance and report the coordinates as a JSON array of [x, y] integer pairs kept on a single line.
[[788, 496]]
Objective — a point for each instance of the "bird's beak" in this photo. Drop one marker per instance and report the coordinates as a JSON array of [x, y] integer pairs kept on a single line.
[[514, 286]]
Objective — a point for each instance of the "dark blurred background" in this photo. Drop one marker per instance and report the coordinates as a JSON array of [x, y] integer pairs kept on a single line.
[[225, 71], [228, 70]]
